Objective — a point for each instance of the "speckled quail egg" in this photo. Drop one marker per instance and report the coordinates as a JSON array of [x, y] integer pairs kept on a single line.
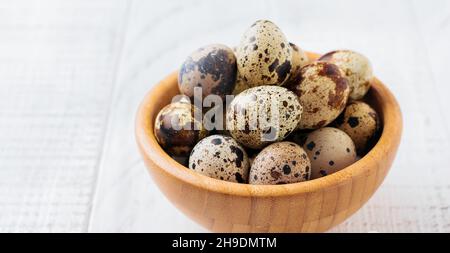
[[214, 119], [220, 157], [176, 128], [323, 93], [240, 84], [361, 123], [299, 60], [211, 68], [264, 55], [261, 115], [357, 69], [280, 163], [329, 150]]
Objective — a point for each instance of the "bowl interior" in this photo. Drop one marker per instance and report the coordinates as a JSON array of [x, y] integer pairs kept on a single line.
[[379, 97]]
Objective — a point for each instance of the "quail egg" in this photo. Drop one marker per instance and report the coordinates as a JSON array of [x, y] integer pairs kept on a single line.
[[261, 115], [214, 119], [220, 157], [361, 123], [176, 128], [323, 93], [299, 59], [329, 150], [211, 68], [280, 163], [240, 84], [264, 55], [356, 67]]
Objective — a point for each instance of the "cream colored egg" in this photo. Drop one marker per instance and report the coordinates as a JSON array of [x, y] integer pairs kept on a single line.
[[357, 69], [176, 128], [261, 115], [323, 93], [240, 84], [361, 123], [220, 157], [329, 150], [280, 163], [264, 55]]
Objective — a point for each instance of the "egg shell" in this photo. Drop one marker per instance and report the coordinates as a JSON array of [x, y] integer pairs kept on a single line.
[[280, 163], [240, 84], [329, 150], [176, 128], [357, 69], [220, 157], [361, 123], [323, 93], [261, 115], [299, 60], [212, 68], [217, 116], [264, 55]]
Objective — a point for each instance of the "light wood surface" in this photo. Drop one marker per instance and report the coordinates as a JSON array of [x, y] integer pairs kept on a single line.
[[72, 74], [312, 206]]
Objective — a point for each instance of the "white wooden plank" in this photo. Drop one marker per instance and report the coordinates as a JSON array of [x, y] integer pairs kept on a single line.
[[433, 24], [57, 67], [414, 196]]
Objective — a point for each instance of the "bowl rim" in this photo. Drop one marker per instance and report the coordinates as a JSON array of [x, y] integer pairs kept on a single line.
[[149, 147]]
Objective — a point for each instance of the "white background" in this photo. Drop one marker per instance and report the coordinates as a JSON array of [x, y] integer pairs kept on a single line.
[[72, 74]]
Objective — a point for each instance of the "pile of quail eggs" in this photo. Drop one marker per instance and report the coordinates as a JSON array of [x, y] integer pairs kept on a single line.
[[322, 123]]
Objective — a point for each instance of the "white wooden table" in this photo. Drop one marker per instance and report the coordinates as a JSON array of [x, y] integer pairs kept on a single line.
[[72, 74]]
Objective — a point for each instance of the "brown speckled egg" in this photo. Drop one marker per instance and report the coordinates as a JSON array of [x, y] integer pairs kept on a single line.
[[280, 163], [357, 69], [175, 128], [361, 123], [299, 60], [220, 157], [323, 93], [212, 68], [261, 115], [264, 55], [329, 150], [240, 84]]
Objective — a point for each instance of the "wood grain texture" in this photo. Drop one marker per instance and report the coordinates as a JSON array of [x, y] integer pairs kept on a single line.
[[57, 67], [60, 60]]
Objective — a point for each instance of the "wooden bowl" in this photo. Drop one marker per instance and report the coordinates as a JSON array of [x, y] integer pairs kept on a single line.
[[311, 206]]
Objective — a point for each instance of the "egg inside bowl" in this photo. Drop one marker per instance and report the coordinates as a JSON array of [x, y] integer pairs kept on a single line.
[[311, 206]]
